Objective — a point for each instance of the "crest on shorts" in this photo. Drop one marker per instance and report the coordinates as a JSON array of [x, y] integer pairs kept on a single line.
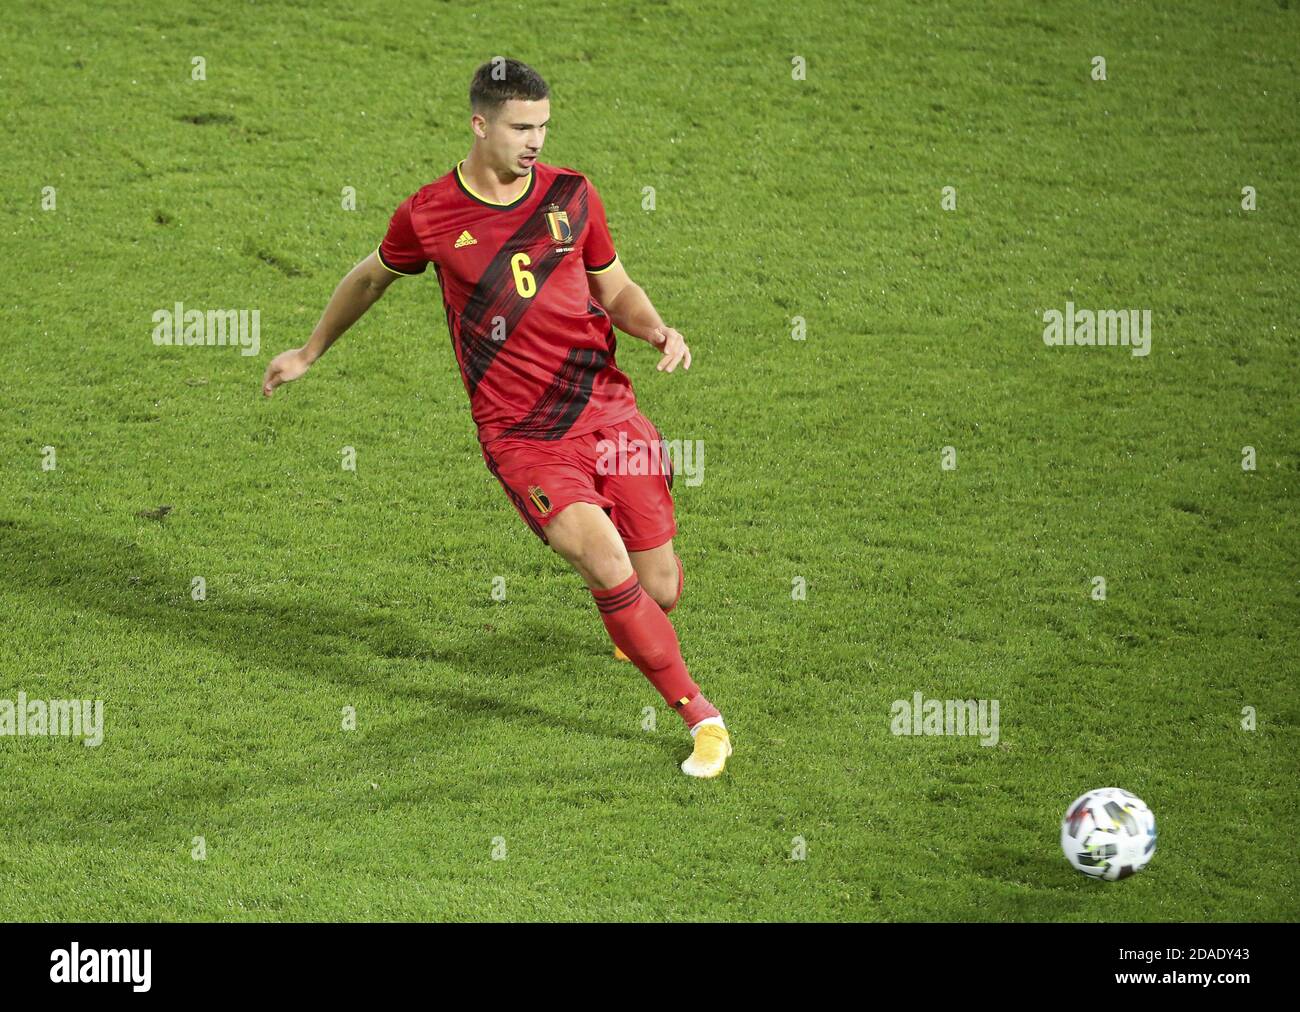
[[540, 500]]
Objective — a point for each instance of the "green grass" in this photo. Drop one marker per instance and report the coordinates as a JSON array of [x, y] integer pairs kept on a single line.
[[775, 198]]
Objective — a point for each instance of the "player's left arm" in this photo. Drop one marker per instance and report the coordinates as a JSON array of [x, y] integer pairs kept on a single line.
[[631, 311]]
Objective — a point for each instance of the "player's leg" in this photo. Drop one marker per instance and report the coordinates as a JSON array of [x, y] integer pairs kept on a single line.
[[661, 574], [641, 492], [585, 536], [642, 513]]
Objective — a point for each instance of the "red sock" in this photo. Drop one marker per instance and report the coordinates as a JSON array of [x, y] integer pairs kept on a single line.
[[641, 630]]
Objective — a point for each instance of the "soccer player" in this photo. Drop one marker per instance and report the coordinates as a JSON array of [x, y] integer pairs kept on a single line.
[[533, 290]]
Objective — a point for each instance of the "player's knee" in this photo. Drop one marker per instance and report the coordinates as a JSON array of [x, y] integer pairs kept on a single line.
[[662, 595], [604, 565], [662, 586]]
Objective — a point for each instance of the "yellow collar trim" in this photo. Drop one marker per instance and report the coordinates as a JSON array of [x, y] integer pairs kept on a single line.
[[528, 188]]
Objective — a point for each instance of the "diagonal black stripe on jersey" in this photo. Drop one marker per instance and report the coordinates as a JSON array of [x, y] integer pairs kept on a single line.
[[495, 295], [562, 402]]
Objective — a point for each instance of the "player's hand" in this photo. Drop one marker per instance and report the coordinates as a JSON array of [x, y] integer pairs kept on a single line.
[[673, 347], [286, 366]]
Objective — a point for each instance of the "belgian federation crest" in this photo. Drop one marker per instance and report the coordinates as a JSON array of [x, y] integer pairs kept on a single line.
[[540, 500], [557, 222]]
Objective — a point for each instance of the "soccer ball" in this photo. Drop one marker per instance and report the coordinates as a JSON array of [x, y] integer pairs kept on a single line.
[[1108, 834]]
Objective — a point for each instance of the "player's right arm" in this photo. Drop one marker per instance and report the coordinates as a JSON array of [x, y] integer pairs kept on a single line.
[[356, 293], [399, 255]]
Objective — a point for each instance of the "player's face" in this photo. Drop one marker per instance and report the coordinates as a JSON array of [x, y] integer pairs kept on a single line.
[[513, 137]]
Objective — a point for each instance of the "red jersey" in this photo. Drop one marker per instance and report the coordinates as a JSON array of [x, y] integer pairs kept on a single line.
[[536, 351]]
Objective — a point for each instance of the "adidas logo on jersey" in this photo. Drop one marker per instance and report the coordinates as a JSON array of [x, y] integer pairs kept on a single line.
[[466, 240]]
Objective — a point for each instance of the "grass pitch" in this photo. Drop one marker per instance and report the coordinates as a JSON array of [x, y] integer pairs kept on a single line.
[[499, 768]]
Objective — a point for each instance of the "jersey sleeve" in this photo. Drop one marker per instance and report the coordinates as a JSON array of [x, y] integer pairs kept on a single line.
[[401, 251], [598, 253]]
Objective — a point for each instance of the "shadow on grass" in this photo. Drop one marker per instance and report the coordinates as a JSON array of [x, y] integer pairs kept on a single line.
[[91, 571], [1047, 888]]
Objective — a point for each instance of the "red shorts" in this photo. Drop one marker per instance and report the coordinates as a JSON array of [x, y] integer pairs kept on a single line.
[[542, 476]]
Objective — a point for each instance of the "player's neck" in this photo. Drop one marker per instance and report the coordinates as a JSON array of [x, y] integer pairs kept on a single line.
[[487, 184]]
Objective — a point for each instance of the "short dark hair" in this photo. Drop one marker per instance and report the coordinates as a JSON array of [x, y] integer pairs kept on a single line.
[[501, 79]]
